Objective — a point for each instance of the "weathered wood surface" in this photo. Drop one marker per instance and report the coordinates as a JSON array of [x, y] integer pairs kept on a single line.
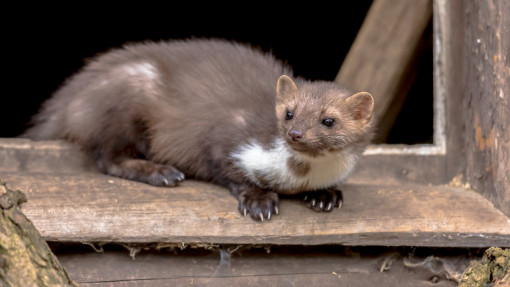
[[487, 91], [281, 267], [91, 207], [475, 64], [23, 155], [25, 258], [386, 169], [382, 54]]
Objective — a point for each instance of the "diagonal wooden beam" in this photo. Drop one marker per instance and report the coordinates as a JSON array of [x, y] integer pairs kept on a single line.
[[383, 52]]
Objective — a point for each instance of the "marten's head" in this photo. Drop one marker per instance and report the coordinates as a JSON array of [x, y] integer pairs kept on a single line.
[[321, 117]]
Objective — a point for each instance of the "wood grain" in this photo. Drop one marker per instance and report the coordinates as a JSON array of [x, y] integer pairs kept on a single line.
[[487, 89], [91, 207], [475, 65], [299, 268]]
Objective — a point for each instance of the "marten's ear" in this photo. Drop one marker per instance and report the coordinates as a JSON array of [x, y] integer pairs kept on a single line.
[[286, 89], [362, 106]]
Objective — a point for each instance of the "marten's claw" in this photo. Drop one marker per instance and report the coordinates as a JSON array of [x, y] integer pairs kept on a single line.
[[258, 203], [324, 199]]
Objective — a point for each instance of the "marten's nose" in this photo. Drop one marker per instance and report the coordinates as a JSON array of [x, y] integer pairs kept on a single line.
[[295, 135]]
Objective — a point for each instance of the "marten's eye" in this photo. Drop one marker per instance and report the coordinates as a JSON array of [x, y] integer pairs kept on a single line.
[[289, 116], [328, 122]]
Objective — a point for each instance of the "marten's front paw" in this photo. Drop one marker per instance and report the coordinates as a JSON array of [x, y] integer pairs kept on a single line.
[[258, 204], [141, 170], [324, 199], [165, 175]]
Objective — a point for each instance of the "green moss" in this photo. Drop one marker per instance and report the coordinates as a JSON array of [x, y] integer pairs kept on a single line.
[[494, 266]]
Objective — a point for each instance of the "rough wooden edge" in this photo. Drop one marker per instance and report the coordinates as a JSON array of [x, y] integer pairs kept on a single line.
[[419, 239]]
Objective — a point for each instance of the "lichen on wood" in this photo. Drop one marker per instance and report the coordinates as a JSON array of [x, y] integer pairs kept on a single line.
[[493, 270], [25, 258]]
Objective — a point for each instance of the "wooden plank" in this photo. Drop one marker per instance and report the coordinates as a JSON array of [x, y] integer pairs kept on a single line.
[[91, 207], [329, 266], [352, 280], [383, 52]]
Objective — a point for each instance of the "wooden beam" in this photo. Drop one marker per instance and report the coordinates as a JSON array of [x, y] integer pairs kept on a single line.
[[383, 53], [475, 69], [91, 207], [487, 98]]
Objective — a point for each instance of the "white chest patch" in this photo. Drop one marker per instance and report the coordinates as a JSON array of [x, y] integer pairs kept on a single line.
[[269, 168]]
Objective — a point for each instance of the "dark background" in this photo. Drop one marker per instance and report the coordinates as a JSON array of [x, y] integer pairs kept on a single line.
[[45, 45]]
